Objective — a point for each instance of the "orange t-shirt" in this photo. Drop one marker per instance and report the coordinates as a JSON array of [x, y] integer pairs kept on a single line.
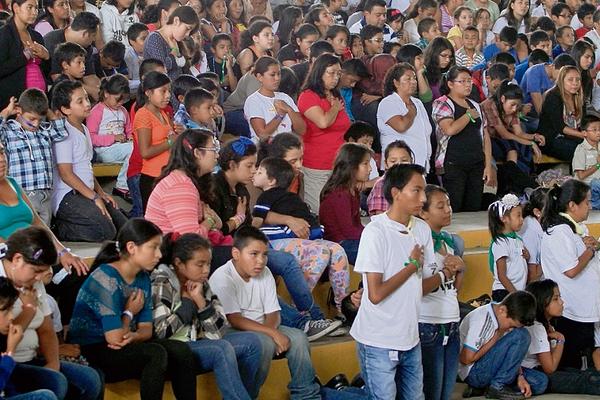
[[144, 119]]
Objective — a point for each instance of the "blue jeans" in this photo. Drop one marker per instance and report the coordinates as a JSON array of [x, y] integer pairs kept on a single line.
[[595, 186], [74, 381], [285, 265], [137, 210], [292, 317], [303, 385], [440, 362], [236, 352], [538, 380], [351, 248], [116, 153], [42, 394], [236, 123], [347, 393], [391, 374], [499, 367]]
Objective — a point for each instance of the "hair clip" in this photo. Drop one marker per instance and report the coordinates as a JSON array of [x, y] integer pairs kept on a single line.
[[187, 144], [36, 256], [117, 245], [240, 146], [507, 203], [175, 236]]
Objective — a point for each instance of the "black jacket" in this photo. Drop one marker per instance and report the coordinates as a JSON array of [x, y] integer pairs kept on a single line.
[[13, 61]]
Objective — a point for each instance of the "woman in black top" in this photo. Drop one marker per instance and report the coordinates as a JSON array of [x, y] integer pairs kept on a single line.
[[562, 112]]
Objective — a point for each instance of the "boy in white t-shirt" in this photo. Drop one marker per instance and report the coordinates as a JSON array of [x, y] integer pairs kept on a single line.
[[249, 297], [493, 330], [393, 249], [586, 159]]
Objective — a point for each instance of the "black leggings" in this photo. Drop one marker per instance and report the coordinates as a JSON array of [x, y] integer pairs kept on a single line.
[[579, 342], [464, 184], [146, 186], [150, 362]]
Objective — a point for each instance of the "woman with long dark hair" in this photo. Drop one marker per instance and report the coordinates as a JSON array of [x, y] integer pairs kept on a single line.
[[57, 15], [583, 54], [323, 110], [439, 58], [288, 25]]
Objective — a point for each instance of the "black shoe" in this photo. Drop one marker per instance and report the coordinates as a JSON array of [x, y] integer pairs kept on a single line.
[[471, 391], [338, 382], [124, 194], [358, 382], [503, 394]]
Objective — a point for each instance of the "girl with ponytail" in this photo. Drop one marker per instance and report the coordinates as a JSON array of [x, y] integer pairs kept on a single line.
[[186, 309], [568, 258], [112, 319]]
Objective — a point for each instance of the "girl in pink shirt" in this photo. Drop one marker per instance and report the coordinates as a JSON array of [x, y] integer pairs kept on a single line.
[[110, 127]]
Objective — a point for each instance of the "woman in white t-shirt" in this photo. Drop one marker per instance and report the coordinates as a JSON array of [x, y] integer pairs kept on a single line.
[[532, 232], [270, 112], [568, 258], [548, 346], [400, 116], [516, 15], [439, 316]]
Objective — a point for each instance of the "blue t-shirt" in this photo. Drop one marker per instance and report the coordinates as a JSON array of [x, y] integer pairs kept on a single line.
[[346, 94], [101, 301], [535, 80], [491, 50], [520, 70], [557, 51]]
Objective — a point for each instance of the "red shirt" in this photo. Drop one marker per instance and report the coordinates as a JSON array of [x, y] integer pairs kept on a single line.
[[339, 213], [321, 145], [579, 33]]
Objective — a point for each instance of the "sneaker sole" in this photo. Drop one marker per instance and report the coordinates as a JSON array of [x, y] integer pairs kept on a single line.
[[334, 325], [341, 331]]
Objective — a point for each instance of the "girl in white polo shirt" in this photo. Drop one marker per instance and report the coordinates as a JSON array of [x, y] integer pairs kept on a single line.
[[507, 254], [439, 316], [568, 258]]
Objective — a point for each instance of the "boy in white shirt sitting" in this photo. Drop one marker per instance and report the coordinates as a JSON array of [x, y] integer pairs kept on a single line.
[[248, 294], [494, 343], [393, 249], [586, 159]]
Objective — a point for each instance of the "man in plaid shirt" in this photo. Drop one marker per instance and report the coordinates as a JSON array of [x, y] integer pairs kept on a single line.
[[28, 143]]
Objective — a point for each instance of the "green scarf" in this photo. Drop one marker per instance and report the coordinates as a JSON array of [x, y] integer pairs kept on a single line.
[[510, 235], [440, 238], [578, 227]]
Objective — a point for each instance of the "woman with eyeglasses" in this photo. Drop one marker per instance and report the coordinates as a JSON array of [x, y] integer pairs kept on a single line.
[[464, 152], [322, 108], [439, 57], [179, 201], [57, 15], [401, 116], [562, 112]]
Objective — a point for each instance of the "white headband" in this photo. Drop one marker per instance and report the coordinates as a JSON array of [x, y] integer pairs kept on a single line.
[[508, 202]]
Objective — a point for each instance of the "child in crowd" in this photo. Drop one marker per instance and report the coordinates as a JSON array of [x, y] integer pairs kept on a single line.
[[202, 108], [428, 30], [439, 314], [338, 36], [112, 318], [565, 38], [585, 17], [249, 297], [274, 176], [117, 16], [487, 81], [548, 346], [483, 22], [297, 50], [216, 20], [27, 142], [287, 146], [423, 9], [356, 46], [71, 59], [464, 155], [186, 309], [586, 159], [543, 9], [394, 245], [469, 55], [222, 61], [505, 43], [494, 343], [110, 59], [536, 57], [532, 232], [463, 17], [268, 111], [397, 152], [111, 129], [134, 54], [236, 12], [152, 129], [257, 41], [82, 210], [183, 84], [567, 257], [594, 36], [353, 71], [372, 38], [363, 133], [339, 211], [507, 255], [12, 334]]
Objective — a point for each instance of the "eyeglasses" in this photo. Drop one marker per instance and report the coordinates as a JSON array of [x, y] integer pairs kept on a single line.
[[597, 130], [376, 40], [334, 73], [464, 81], [565, 15], [216, 148]]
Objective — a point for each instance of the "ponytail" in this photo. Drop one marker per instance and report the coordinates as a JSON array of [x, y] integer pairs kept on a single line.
[[558, 201], [152, 80], [136, 230], [253, 30]]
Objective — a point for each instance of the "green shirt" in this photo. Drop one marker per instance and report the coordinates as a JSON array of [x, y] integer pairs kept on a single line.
[[14, 217]]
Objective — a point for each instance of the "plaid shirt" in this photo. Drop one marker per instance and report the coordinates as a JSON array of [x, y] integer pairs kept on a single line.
[[376, 201], [210, 322], [30, 153]]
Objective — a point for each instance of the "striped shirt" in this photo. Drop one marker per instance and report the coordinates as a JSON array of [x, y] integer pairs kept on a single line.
[[463, 59], [30, 152]]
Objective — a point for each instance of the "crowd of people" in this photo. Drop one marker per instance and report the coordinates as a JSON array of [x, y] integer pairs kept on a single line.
[[254, 134]]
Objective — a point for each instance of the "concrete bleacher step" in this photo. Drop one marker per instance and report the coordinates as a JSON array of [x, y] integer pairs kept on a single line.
[[102, 170]]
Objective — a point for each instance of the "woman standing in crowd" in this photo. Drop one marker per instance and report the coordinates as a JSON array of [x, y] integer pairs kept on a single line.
[[326, 120], [439, 58]]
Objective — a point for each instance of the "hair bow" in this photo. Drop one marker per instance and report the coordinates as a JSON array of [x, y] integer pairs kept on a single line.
[[508, 202], [240, 146], [175, 236]]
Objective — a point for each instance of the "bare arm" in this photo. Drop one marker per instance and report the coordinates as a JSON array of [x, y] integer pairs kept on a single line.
[[48, 343], [147, 149], [502, 277], [379, 289], [468, 356], [401, 123], [322, 119], [584, 259], [537, 100]]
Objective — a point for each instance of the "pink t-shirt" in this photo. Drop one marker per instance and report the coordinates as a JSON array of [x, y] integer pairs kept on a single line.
[[104, 123], [33, 75], [321, 145]]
